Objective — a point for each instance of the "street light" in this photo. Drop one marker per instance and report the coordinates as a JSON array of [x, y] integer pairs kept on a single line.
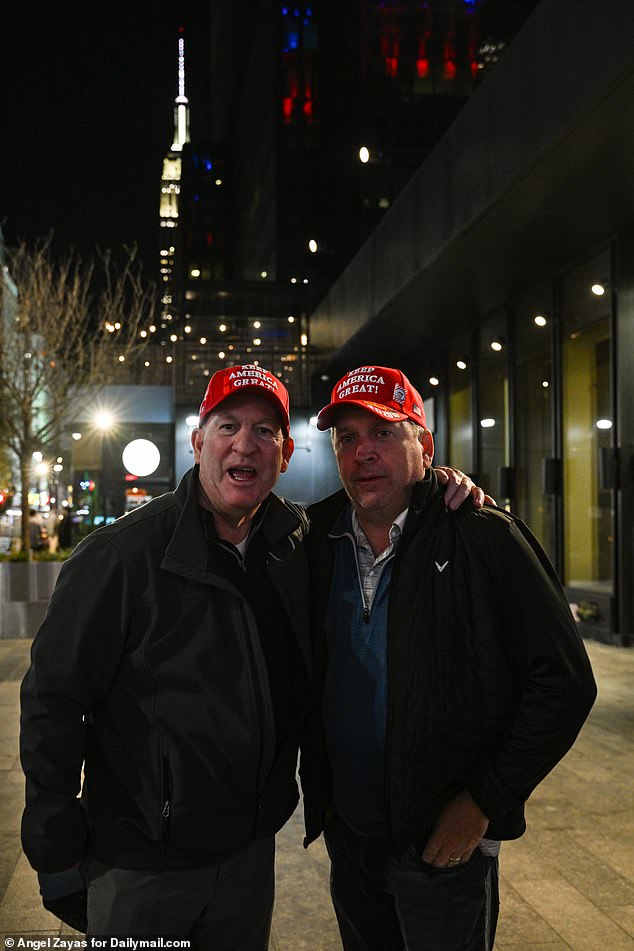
[[103, 420]]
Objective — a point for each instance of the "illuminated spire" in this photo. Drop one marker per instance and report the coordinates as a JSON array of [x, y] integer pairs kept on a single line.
[[181, 103]]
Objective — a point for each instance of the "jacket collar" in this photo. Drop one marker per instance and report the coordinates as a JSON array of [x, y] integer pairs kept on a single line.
[[187, 552]]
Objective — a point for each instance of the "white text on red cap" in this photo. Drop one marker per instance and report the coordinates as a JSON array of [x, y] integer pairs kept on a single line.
[[251, 377], [361, 380]]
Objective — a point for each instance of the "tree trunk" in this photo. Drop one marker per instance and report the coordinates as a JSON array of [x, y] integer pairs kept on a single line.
[[25, 530]]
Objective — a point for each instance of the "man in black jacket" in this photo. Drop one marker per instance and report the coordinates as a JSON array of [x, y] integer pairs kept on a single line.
[[173, 665], [454, 680]]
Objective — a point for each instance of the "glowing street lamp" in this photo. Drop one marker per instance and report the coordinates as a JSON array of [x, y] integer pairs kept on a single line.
[[103, 420]]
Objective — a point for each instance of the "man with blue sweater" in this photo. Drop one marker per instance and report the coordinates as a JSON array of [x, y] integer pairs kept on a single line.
[[454, 680]]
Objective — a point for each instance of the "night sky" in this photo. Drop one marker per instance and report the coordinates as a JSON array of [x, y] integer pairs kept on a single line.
[[88, 91]]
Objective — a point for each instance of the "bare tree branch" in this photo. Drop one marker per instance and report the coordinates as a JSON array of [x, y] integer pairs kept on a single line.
[[71, 327]]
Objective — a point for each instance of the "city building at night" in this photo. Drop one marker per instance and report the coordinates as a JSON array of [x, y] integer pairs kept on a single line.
[[212, 315], [502, 282], [320, 114]]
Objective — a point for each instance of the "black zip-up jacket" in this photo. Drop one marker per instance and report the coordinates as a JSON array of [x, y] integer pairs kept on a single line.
[[148, 667], [488, 680]]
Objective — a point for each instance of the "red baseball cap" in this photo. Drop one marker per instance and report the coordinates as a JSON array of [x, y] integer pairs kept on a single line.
[[382, 390], [251, 380]]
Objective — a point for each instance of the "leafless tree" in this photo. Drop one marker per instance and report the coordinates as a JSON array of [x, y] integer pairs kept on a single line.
[[70, 327]]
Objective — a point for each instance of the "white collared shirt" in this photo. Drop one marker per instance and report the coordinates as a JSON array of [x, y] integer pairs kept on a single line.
[[370, 567]]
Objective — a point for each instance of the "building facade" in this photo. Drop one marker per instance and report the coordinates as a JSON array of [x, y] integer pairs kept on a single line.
[[502, 282], [214, 313]]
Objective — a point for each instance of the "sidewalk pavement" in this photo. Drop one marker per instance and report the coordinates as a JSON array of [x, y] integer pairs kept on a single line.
[[567, 884]]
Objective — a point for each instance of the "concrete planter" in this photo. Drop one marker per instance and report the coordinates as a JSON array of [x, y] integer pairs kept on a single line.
[[25, 588]]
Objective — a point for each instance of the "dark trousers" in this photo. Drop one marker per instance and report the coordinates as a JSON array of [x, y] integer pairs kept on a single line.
[[382, 902], [226, 907]]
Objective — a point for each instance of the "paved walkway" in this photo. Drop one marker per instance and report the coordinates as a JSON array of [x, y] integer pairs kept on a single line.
[[567, 884]]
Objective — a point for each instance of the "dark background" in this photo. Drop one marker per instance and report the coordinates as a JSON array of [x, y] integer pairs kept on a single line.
[[88, 90]]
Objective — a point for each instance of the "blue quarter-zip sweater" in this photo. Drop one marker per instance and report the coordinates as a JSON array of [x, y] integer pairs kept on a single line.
[[354, 702]]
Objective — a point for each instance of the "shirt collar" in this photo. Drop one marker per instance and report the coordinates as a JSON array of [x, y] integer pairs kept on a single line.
[[396, 529]]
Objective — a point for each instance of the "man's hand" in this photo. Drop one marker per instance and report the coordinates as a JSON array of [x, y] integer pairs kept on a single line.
[[457, 832], [64, 895], [459, 487]]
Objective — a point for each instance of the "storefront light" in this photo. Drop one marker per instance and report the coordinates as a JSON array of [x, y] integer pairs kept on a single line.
[[141, 457], [540, 320], [604, 424], [598, 289]]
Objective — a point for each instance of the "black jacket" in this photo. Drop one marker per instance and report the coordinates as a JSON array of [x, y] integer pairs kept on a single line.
[[149, 667], [488, 679]]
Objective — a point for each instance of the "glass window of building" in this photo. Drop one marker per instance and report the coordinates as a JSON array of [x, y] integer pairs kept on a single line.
[[588, 431], [493, 406], [460, 423], [534, 413]]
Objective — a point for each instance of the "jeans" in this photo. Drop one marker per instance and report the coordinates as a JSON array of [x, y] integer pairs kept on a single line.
[[387, 904]]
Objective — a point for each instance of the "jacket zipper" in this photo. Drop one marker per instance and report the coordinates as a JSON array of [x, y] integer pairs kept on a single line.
[[366, 607], [261, 704], [388, 703], [166, 810]]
